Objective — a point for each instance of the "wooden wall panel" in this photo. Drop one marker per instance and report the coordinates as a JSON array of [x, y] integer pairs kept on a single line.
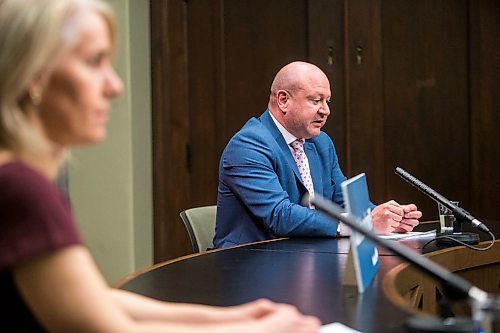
[[426, 127], [260, 37], [204, 87], [326, 45], [170, 127], [485, 107], [364, 109]]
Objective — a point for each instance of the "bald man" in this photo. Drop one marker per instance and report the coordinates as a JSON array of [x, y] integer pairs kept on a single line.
[[263, 174]]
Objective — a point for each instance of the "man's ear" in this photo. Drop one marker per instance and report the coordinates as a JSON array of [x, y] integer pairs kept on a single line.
[[283, 99]]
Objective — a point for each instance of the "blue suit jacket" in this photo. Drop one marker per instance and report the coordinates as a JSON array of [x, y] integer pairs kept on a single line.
[[260, 188]]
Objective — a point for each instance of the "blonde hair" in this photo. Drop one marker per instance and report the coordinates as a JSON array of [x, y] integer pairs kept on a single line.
[[33, 34]]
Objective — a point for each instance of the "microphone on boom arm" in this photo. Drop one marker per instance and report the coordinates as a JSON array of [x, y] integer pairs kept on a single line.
[[460, 214]]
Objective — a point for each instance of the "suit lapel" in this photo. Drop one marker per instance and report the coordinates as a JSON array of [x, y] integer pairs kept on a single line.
[[268, 122]]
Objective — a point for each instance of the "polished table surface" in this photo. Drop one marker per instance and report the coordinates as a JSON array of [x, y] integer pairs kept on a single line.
[[306, 272]]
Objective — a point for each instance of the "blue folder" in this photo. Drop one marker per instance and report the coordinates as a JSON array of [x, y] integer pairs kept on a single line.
[[364, 253]]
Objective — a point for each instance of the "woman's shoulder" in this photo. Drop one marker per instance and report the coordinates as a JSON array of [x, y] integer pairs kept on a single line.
[[18, 175], [21, 183], [36, 217]]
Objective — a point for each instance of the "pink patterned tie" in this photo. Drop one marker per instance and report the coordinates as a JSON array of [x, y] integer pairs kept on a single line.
[[303, 164]]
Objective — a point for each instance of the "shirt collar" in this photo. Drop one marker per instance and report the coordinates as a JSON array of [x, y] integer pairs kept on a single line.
[[289, 137]]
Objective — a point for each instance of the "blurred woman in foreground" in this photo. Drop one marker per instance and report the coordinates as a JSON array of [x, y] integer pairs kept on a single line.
[[56, 83]]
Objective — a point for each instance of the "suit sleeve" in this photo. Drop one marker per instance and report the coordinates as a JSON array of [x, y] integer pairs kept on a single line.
[[250, 172]]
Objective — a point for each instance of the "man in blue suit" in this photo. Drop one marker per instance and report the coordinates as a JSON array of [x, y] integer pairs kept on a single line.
[[260, 186]]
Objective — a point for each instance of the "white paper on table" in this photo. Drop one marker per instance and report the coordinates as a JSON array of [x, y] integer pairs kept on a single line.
[[410, 235], [337, 328]]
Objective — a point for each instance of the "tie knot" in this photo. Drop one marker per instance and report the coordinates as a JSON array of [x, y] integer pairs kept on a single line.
[[298, 144]]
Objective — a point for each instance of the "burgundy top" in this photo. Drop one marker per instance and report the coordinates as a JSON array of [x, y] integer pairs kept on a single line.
[[35, 218]]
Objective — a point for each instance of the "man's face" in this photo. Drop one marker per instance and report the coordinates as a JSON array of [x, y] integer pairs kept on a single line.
[[308, 107]]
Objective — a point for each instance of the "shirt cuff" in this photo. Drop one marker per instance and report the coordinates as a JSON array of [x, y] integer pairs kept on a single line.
[[343, 230]]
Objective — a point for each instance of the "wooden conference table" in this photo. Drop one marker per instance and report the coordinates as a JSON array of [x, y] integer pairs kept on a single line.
[[308, 273]]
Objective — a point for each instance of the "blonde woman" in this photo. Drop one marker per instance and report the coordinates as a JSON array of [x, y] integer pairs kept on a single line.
[[56, 83]]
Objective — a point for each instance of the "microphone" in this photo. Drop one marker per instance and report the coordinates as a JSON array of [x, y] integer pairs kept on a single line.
[[460, 213], [462, 288], [457, 287]]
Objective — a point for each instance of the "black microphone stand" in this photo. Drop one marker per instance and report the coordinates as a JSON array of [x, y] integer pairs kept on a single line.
[[461, 215], [457, 288]]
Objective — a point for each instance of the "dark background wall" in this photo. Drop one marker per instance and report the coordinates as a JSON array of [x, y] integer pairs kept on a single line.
[[414, 85]]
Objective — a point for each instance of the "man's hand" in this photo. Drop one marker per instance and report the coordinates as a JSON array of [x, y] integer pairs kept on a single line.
[[393, 217]]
